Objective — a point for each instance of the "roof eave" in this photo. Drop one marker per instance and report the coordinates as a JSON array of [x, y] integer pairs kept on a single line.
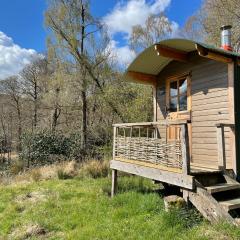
[[152, 60]]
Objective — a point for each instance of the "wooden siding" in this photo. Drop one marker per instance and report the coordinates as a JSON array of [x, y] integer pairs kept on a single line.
[[210, 105], [161, 103]]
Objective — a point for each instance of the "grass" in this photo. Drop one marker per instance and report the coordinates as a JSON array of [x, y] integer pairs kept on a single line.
[[81, 209]]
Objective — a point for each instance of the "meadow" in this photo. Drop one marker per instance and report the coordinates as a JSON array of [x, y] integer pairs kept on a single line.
[[81, 208]]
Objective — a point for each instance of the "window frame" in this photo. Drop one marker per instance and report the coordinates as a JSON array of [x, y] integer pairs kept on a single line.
[[188, 93]]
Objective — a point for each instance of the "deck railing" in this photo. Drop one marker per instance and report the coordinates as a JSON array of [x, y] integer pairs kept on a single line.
[[142, 143], [221, 144]]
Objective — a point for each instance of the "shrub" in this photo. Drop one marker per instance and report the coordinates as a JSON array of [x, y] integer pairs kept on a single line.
[[96, 169], [67, 170], [36, 175], [44, 147], [16, 167], [62, 174], [71, 168]]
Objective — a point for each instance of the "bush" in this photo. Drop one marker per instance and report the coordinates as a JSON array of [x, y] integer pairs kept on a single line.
[[68, 170], [16, 167], [62, 175], [36, 175], [95, 169], [44, 148], [71, 168]]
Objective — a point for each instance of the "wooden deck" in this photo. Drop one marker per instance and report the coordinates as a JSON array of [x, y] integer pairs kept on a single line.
[[140, 146], [139, 150], [154, 173], [200, 170]]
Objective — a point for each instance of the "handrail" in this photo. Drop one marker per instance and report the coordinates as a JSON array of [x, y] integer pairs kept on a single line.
[[147, 124], [221, 143], [231, 125]]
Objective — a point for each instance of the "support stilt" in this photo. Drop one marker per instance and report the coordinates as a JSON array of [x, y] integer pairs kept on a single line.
[[114, 182]]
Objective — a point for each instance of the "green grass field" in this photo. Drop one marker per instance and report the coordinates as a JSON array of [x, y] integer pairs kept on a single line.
[[82, 209]]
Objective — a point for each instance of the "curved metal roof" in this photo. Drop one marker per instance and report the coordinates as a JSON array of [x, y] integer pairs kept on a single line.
[[149, 62]]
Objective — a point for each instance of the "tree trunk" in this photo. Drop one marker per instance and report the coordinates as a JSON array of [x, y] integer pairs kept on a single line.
[[84, 119], [19, 115], [57, 110], [35, 106], [83, 91], [4, 141], [56, 115]]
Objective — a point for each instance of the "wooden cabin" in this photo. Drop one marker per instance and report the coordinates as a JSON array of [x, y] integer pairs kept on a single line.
[[193, 141]]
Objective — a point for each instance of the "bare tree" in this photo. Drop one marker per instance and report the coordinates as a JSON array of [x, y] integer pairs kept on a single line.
[[193, 29], [216, 13], [32, 83], [206, 22], [12, 88], [156, 28], [74, 29]]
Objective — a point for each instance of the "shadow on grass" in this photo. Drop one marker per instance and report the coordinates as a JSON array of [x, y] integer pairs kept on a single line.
[[187, 217], [134, 183]]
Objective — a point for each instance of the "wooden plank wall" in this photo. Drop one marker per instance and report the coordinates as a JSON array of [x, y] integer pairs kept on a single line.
[[210, 105], [161, 103]]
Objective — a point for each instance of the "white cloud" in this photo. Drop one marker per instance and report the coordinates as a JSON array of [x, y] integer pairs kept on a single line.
[[124, 55], [125, 15], [12, 57], [175, 29]]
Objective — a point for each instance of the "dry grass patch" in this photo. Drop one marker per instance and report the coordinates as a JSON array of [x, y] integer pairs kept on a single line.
[[211, 233], [28, 231], [68, 170], [16, 167], [95, 169], [64, 170], [32, 197]]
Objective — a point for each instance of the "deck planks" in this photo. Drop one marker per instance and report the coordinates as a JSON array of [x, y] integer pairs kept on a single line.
[[222, 187], [231, 204], [173, 178]]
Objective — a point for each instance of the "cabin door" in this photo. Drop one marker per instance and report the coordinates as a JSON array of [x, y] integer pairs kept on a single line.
[[178, 92]]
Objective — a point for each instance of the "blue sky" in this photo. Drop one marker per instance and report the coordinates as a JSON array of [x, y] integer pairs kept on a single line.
[[22, 21]]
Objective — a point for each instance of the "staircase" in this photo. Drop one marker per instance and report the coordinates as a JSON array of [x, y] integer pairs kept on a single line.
[[217, 196]]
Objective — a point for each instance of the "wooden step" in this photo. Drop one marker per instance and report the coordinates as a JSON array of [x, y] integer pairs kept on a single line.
[[230, 204], [221, 187]]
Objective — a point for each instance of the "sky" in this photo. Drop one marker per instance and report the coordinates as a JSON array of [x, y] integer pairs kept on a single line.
[[23, 35]]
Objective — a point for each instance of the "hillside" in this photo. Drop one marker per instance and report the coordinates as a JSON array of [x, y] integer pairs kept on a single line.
[[80, 208]]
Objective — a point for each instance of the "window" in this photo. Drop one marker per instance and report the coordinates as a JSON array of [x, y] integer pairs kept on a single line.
[[178, 95]]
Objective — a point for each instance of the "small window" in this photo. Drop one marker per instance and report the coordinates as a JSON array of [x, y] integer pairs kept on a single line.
[[178, 95]]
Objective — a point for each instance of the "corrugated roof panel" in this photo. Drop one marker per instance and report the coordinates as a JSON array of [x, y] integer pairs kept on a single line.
[[150, 63], [220, 50], [180, 44]]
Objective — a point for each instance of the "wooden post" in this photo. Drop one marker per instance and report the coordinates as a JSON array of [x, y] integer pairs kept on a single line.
[[131, 130], [233, 154], [185, 149], [154, 92], [114, 182], [221, 147], [155, 132], [114, 141], [186, 197], [232, 115]]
